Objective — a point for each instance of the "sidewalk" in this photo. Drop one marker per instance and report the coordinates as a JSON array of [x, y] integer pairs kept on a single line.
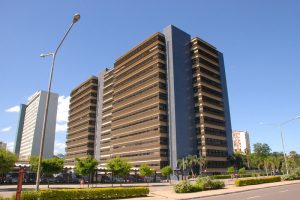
[[168, 192]]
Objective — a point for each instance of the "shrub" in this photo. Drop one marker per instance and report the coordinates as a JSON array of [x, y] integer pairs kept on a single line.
[[242, 170], [183, 187], [197, 187], [88, 193], [210, 184], [255, 181], [294, 175]]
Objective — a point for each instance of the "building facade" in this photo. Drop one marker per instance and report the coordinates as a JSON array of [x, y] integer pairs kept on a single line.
[[241, 141], [3, 145], [30, 126], [82, 121], [164, 99]]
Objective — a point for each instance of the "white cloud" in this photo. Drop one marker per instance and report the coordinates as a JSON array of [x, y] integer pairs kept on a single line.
[[59, 147], [62, 113], [11, 146], [13, 109], [61, 127], [6, 129]]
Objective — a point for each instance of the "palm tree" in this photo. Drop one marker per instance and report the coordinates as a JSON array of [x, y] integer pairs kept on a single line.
[[202, 162], [191, 162]]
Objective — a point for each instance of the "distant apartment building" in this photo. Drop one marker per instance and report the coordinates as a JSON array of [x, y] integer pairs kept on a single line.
[[3, 145], [29, 131], [241, 141], [82, 121], [164, 99]]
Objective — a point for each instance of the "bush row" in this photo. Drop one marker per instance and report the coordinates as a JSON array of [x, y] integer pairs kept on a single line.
[[294, 175], [88, 193], [206, 183], [255, 181], [227, 176]]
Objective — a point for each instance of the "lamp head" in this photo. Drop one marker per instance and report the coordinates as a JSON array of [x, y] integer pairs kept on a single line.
[[76, 17]]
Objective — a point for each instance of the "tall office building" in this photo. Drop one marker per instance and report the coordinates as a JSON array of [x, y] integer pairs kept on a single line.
[[82, 121], [164, 99], [30, 126], [241, 141]]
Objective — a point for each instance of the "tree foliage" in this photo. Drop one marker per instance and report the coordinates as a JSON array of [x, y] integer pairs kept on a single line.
[[85, 166], [52, 165], [7, 160], [145, 170], [167, 171], [119, 166]]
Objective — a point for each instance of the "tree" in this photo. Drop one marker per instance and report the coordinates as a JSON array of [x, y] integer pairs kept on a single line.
[[167, 171], [202, 162], [52, 166], [7, 161], [262, 151], [33, 161], [242, 170], [86, 166], [118, 167], [231, 171], [145, 170]]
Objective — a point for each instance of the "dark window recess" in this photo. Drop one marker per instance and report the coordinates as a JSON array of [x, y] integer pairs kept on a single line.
[[213, 131], [210, 73], [209, 64], [162, 106], [197, 109], [212, 101], [217, 164], [195, 69], [164, 152], [211, 91], [210, 82], [92, 130], [90, 152], [163, 118], [162, 75], [215, 142], [216, 153], [195, 89], [211, 57], [213, 121], [196, 99], [195, 80], [197, 120], [164, 141], [162, 85], [213, 111], [162, 96], [163, 129]]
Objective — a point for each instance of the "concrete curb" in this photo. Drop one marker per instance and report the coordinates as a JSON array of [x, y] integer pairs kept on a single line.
[[250, 189], [153, 194]]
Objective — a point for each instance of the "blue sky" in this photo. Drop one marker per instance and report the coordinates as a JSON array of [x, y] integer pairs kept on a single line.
[[260, 41]]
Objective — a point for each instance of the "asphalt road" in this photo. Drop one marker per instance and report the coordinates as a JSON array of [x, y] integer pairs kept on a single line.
[[286, 192]]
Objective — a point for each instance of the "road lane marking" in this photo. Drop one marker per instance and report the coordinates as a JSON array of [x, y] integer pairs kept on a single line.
[[284, 191], [253, 197]]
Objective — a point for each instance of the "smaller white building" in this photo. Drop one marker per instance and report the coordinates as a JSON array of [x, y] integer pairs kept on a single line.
[[32, 125], [3, 145], [241, 141]]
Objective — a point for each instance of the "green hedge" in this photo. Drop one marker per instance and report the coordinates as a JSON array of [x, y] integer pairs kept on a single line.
[[88, 193], [255, 181], [209, 183], [186, 187], [227, 176]]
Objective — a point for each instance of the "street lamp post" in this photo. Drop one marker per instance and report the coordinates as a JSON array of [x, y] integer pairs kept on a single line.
[[53, 54], [282, 141]]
